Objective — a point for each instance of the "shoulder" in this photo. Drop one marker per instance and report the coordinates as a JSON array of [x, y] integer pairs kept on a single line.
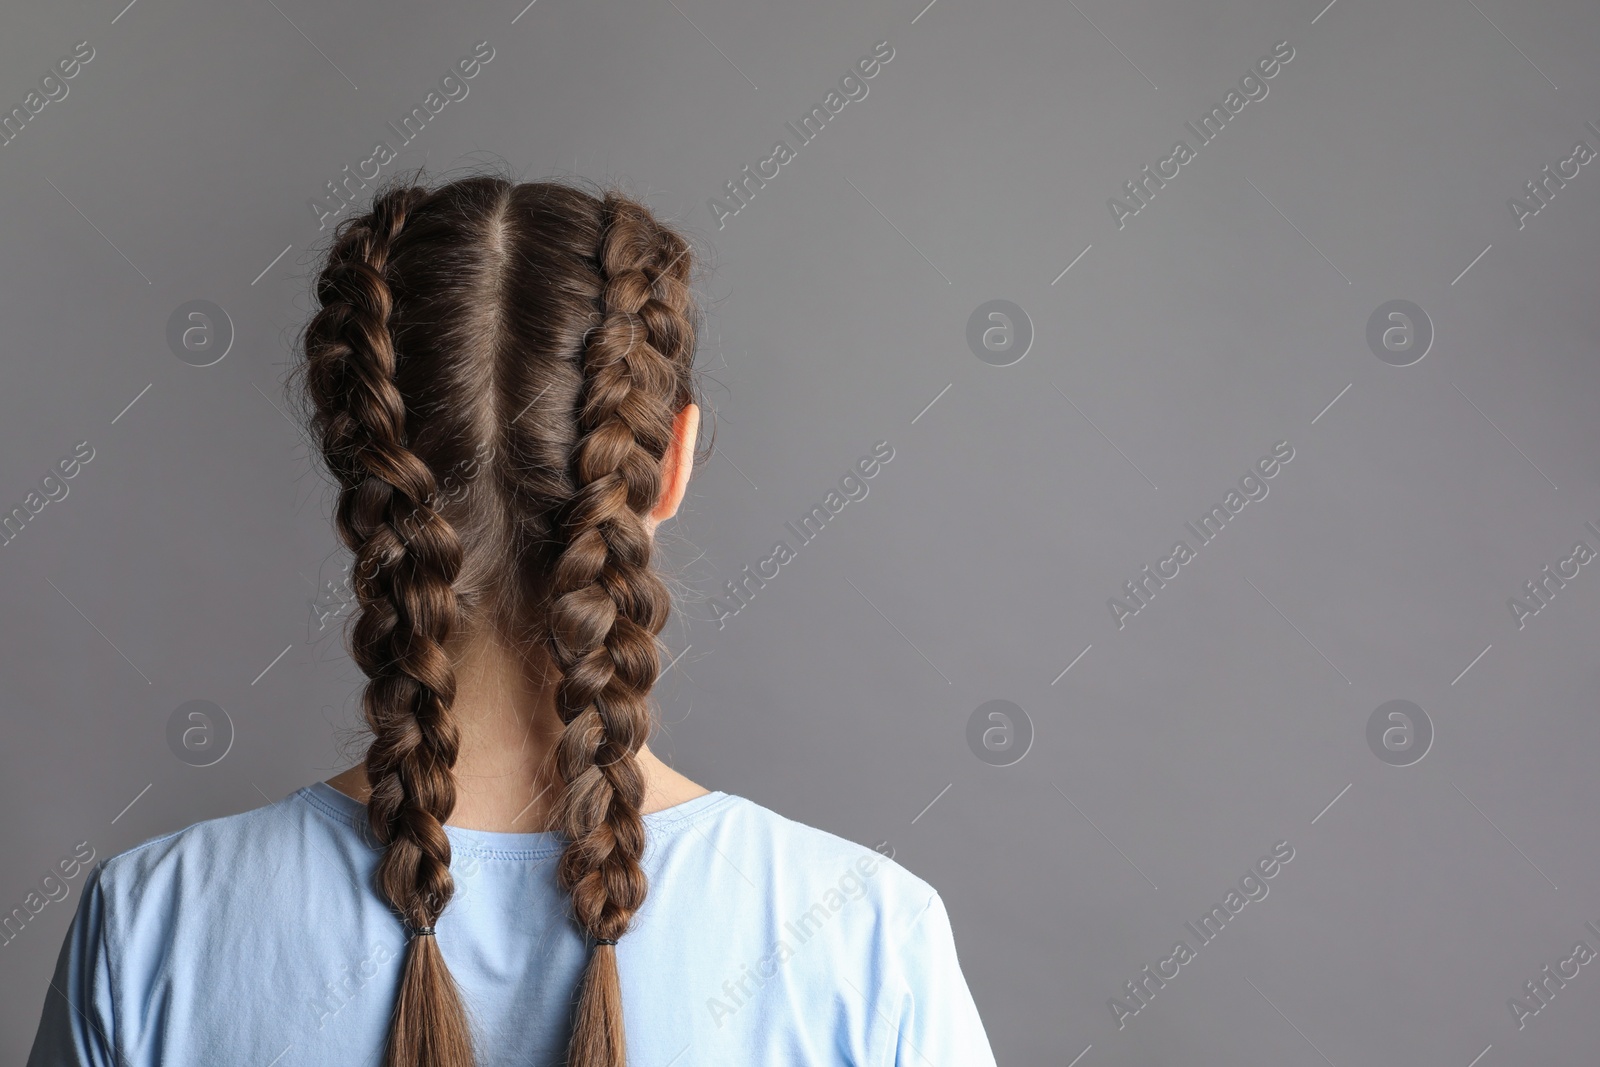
[[195, 918], [216, 862], [810, 868], [815, 932]]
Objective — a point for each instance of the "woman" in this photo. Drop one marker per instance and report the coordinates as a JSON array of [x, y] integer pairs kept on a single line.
[[500, 379]]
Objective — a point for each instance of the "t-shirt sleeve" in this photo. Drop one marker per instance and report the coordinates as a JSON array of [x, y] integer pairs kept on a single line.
[[938, 1024], [75, 1029]]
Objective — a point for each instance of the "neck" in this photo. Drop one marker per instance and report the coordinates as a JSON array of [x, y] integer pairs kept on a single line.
[[505, 774]]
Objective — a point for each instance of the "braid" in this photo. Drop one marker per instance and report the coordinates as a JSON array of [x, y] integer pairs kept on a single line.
[[404, 585], [607, 604]]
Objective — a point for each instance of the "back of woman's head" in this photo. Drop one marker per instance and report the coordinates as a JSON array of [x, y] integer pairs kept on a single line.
[[493, 375]]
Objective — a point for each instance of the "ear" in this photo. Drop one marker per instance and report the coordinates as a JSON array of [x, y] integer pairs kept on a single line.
[[677, 464]]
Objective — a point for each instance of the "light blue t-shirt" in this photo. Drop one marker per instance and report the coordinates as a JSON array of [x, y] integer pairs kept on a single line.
[[257, 939]]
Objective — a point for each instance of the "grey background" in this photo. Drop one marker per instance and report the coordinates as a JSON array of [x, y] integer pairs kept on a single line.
[[1226, 316]]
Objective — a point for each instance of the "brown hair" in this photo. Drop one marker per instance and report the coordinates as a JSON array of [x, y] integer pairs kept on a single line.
[[553, 330]]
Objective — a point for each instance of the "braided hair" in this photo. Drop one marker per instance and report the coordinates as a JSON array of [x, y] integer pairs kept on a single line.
[[554, 330]]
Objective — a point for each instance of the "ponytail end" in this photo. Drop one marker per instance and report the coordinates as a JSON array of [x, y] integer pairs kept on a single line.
[[598, 1038], [430, 1023]]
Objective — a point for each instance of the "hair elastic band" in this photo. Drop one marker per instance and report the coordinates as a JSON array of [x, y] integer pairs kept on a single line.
[[605, 941], [422, 931]]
